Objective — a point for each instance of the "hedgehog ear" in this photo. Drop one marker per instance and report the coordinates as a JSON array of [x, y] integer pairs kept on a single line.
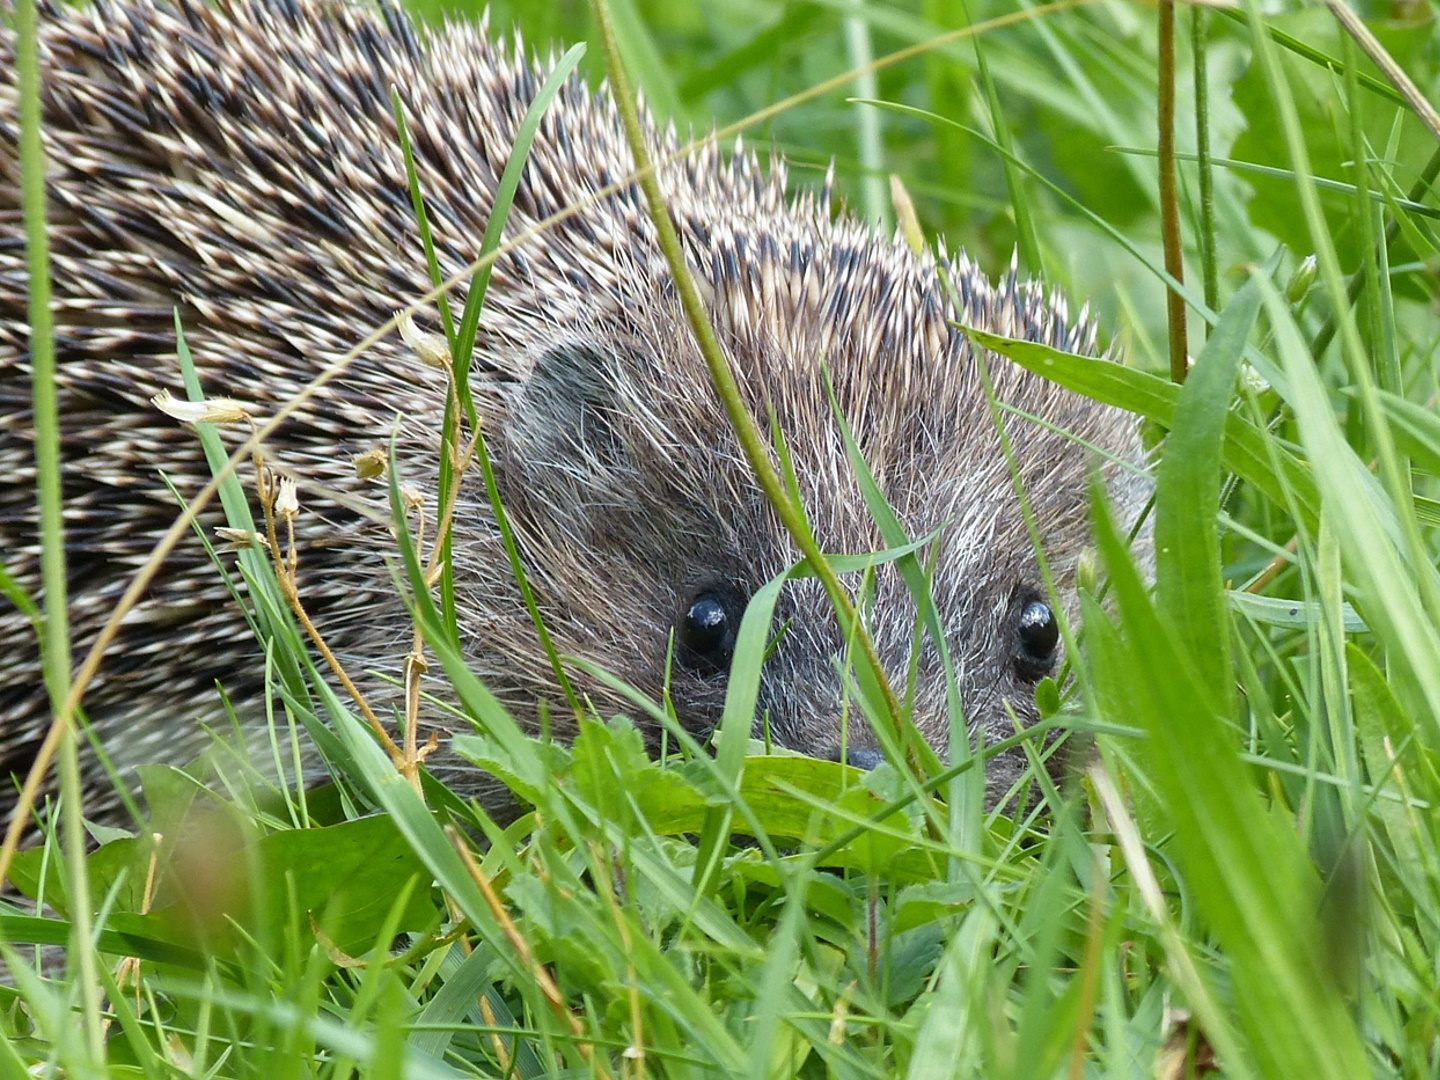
[[564, 421]]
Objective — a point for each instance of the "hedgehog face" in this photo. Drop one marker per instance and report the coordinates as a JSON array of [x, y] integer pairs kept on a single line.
[[645, 534]]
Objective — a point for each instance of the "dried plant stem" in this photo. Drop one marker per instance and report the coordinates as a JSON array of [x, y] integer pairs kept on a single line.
[[287, 562], [415, 665], [129, 967], [497, 1044], [524, 953], [1272, 569], [1419, 104], [460, 462]]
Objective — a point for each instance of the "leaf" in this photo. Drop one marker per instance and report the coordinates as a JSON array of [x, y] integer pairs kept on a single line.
[[1247, 875], [1416, 429], [1251, 454], [610, 769], [121, 936], [1312, 89], [1292, 614], [465, 980], [346, 877], [1187, 499]]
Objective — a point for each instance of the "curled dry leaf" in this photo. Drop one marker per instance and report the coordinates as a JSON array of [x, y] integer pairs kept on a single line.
[[432, 349], [211, 410]]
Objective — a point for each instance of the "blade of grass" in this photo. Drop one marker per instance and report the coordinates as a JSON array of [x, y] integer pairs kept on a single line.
[[722, 377], [1410, 205], [869, 144], [1247, 873], [495, 223], [1169, 192], [1200, 47], [1187, 499], [1026, 233], [462, 339], [55, 650], [1247, 449], [1389, 582]]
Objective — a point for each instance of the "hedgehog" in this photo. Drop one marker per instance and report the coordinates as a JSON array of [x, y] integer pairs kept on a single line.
[[239, 164]]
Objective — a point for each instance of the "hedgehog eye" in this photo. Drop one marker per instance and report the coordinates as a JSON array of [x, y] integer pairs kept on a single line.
[[707, 631], [1037, 633]]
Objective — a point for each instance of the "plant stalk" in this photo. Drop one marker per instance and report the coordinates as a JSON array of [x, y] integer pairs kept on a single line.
[[1169, 197], [55, 630]]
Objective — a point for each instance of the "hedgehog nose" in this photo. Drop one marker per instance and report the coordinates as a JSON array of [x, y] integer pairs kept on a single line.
[[861, 758]]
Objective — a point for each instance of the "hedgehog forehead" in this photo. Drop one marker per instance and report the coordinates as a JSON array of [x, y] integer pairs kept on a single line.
[[795, 297]]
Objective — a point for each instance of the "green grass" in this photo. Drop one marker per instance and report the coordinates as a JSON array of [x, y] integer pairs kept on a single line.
[[1245, 878]]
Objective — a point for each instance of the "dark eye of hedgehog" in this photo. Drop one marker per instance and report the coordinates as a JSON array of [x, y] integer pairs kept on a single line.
[[707, 630], [1037, 634]]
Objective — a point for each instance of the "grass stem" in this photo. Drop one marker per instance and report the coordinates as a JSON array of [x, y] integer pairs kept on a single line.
[[55, 643], [1169, 194], [1200, 50]]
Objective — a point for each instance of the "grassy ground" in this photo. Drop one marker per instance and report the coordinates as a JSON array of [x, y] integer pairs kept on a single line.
[[1247, 880]]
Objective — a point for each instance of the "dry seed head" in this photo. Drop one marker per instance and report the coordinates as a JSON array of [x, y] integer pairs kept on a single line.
[[287, 502], [240, 539], [371, 464]]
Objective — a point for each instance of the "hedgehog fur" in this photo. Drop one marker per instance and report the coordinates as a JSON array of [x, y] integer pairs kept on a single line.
[[239, 162]]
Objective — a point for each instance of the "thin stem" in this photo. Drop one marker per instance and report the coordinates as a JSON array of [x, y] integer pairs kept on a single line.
[[286, 566], [1169, 199], [55, 650], [1200, 47]]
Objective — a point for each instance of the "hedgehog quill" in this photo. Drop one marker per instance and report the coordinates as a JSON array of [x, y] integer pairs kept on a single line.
[[240, 163]]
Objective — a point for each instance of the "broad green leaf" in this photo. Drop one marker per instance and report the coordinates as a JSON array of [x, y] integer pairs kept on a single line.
[[346, 878]]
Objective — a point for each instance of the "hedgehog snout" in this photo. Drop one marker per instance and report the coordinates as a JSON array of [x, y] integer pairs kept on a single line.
[[862, 757]]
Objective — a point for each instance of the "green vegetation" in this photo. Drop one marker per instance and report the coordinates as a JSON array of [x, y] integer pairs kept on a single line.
[[1244, 878]]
